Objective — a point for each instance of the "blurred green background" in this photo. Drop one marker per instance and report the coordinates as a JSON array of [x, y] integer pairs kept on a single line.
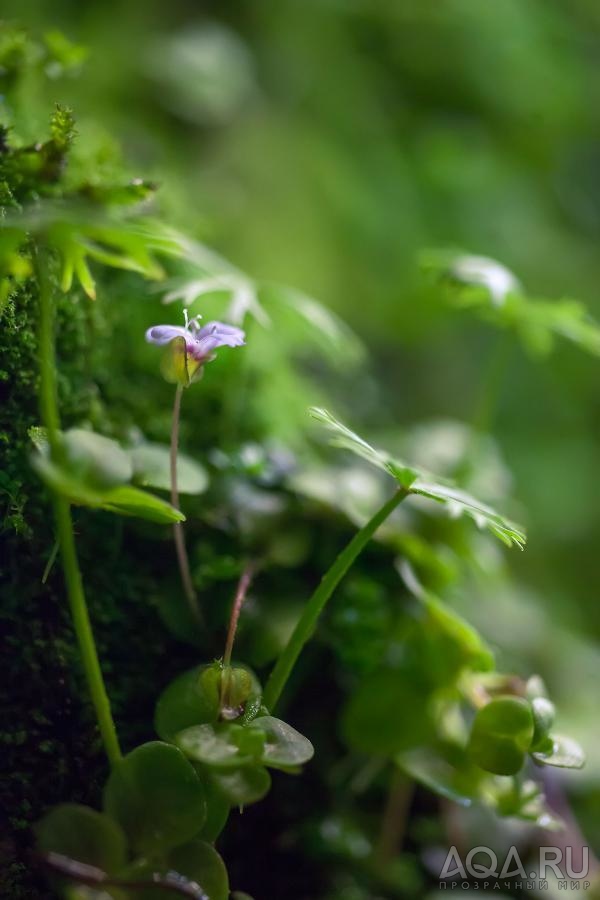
[[325, 144]]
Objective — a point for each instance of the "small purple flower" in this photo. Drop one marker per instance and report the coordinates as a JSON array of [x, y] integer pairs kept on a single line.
[[192, 346]]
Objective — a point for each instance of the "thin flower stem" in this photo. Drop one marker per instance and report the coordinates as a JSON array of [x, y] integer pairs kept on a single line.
[[313, 609], [240, 596], [238, 602], [64, 526], [178, 534]]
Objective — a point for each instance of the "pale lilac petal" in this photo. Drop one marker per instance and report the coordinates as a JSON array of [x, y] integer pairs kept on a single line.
[[205, 346], [164, 334], [216, 334]]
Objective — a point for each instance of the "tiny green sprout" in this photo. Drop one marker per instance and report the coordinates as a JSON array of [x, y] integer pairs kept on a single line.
[[209, 684], [501, 735], [226, 688], [236, 687]]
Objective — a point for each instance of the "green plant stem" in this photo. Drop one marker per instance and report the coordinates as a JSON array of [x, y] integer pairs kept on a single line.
[[83, 630], [178, 533], [64, 527], [313, 609]]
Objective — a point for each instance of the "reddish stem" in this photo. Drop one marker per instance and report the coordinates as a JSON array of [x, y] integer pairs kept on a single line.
[[240, 596]]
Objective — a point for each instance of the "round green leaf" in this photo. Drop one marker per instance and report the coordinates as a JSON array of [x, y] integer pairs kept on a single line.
[[284, 746], [563, 752], [97, 460], [194, 866], [501, 735], [84, 835], [217, 806], [242, 786], [213, 745], [152, 468], [188, 700], [201, 863], [157, 796]]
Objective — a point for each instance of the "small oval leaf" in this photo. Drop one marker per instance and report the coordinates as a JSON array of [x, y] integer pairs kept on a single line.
[[131, 501], [243, 786], [284, 745], [157, 797], [95, 459], [213, 745], [185, 702], [84, 835], [152, 468], [200, 863], [501, 735], [564, 753]]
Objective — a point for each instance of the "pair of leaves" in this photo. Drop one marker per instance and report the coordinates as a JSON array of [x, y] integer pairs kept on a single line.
[[192, 701], [93, 471], [155, 804], [265, 741], [501, 735], [493, 291], [233, 753], [416, 481], [507, 728], [504, 732]]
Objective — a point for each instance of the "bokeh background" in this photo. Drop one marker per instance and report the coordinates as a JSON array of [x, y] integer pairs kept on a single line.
[[327, 143]]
